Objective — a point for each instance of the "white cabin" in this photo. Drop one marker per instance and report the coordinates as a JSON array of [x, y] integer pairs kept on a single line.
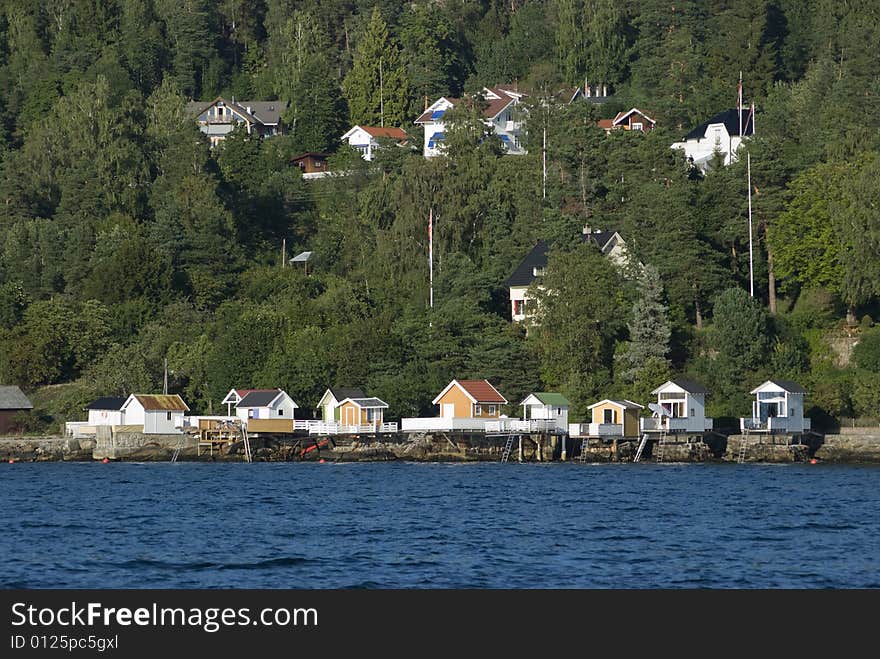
[[328, 406], [722, 134], [265, 404], [547, 406], [680, 408], [106, 411], [778, 407], [159, 414]]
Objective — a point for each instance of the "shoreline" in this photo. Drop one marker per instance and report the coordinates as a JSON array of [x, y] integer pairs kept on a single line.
[[852, 446]]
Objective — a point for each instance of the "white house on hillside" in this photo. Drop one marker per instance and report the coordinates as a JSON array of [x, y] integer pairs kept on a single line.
[[366, 138], [719, 135], [158, 413], [219, 117], [534, 266], [680, 408], [105, 411], [778, 407], [498, 114]]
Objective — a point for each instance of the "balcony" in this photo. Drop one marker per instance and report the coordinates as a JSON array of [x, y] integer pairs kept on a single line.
[[774, 424], [674, 425]]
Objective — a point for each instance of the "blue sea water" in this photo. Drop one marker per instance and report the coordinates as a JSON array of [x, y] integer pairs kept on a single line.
[[406, 525]]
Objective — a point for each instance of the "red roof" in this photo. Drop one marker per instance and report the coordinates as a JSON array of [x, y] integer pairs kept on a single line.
[[392, 133], [482, 391]]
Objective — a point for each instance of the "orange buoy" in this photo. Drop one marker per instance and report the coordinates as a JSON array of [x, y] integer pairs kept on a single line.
[[11, 461], [105, 460], [814, 461], [321, 461]]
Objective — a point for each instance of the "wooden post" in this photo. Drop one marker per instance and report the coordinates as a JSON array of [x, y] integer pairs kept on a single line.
[[520, 449], [614, 450], [564, 440]]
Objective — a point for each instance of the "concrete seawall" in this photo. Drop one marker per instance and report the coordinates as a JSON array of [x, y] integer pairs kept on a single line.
[[850, 446]]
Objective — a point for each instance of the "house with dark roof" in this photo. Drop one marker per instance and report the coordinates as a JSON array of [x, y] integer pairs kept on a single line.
[[105, 411], [12, 402], [720, 136], [156, 413], [633, 119], [265, 404], [778, 407], [498, 113], [680, 408], [534, 266], [366, 139], [312, 165], [219, 117], [232, 398]]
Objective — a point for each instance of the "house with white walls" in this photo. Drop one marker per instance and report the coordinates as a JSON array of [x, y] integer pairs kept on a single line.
[[160, 414], [366, 139], [778, 407], [265, 404], [720, 136], [499, 113], [680, 408]]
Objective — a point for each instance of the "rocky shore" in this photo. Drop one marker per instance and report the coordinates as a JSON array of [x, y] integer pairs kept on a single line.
[[850, 446]]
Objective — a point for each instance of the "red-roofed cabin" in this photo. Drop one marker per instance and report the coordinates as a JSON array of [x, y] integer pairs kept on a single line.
[[470, 399], [366, 138], [633, 119]]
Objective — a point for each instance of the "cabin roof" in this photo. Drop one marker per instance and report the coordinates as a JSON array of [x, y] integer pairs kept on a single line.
[[550, 398], [690, 386], [479, 391], [731, 122], [262, 398], [106, 403], [365, 403], [13, 398], [626, 404], [789, 386], [161, 402]]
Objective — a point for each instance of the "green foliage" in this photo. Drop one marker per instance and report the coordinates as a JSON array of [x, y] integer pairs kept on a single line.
[[376, 87], [866, 353]]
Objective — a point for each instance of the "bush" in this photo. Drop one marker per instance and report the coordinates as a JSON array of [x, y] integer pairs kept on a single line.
[[867, 322], [866, 353], [815, 308]]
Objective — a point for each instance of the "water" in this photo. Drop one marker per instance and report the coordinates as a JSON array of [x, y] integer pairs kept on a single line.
[[396, 525]]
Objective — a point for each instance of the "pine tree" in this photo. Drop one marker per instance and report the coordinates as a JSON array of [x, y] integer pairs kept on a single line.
[[570, 52], [649, 327], [376, 87]]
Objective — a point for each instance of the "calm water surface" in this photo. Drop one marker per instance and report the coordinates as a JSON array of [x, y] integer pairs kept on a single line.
[[398, 525]]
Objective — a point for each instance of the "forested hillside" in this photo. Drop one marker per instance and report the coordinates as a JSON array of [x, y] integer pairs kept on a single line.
[[127, 240]]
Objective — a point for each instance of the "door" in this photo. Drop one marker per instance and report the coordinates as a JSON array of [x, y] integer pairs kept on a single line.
[[447, 410]]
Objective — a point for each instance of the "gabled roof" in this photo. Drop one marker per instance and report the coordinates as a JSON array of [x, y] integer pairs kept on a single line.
[[310, 154], [524, 273], [236, 395], [341, 393], [497, 97], [626, 404], [690, 386], [114, 403], [549, 398], [263, 398], [731, 122], [789, 386], [365, 403], [379, 132], [623, 115], [262, 112], [159, 402], [12, 398], [479, 391]]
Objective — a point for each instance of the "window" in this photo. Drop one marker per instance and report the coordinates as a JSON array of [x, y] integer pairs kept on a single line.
[[637, 125], [250, 414], [478, 410], [539, 271], [517, 307], [168, 416], [791, 412], [490, 410], [280, 412], [692, 412], [608, 416]]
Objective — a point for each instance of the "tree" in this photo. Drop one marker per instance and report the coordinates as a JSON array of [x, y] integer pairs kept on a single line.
[[376, 87], [649, 327]]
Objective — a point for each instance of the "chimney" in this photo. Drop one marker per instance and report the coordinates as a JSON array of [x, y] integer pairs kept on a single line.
[[426, 101], [587, 89], [604, 91], [587, 230]]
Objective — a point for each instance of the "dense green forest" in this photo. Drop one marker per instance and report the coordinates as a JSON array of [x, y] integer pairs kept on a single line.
[[126, 240]]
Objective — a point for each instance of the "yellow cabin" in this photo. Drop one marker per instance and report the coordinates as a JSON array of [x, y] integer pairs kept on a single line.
[[615, 418], [470, 399]]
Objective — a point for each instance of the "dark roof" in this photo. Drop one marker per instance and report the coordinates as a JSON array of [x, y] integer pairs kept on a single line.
[[259, 398], [341, 393], [310, 154], [690, 386], [729, 119], [264, 112], [12, 398], [537, 258], [790, 386], [368, 402], [524, 273], [106, 403]]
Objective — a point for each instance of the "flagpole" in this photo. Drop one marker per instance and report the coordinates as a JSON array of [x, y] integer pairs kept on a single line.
[[431, 255], [739, 103], [751, 258]]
